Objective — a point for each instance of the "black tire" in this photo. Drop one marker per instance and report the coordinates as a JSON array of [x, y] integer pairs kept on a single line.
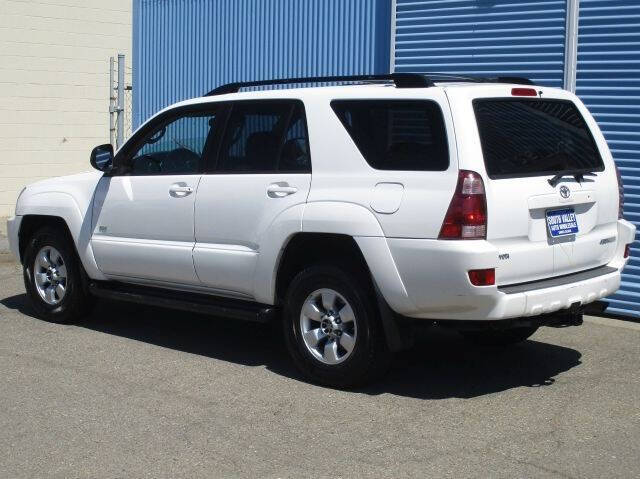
[[76, 301], [499, 337], [369, 357]]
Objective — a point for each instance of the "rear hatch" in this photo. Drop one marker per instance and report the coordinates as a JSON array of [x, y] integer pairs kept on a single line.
[[519, 143]]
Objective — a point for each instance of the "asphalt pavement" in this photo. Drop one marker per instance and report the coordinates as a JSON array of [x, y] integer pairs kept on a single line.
[[135, 391]]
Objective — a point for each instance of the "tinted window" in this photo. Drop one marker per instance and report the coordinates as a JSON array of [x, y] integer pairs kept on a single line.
[[534, 137], [396, 135], [174, 148], [263, 137], [295, 150]]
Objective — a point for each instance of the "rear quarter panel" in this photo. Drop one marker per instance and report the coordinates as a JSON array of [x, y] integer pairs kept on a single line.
[[411, 204]]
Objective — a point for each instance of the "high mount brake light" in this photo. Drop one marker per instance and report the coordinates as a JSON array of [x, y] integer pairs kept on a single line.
[[466, 217], [524, 92]]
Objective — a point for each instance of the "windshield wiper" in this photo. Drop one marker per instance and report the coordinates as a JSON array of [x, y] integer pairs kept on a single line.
[[577, 174]]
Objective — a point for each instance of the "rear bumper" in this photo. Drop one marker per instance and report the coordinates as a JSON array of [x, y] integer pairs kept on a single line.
[[428, 279], [13, 228]]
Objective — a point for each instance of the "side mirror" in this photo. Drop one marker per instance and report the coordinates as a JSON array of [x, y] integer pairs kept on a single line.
[[102, 157]]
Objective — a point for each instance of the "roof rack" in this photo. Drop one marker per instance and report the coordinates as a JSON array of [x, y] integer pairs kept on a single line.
[[401, 80], [472, 79]]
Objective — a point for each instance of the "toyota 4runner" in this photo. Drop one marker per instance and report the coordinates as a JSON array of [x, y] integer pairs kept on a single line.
[[347, 212]]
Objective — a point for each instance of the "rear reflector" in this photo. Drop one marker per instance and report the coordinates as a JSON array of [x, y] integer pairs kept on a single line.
[[523, 92], [467, 214], [627, 251], [482, 277]]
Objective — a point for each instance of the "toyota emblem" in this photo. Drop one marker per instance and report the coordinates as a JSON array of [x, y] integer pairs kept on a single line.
[[565, 192]]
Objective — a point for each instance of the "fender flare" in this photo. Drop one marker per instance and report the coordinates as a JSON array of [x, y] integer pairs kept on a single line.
[[340, 218], [360, 223], [327, 217], [63, 205]]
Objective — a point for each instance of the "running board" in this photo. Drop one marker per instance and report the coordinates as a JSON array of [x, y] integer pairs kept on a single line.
[[185, 301]]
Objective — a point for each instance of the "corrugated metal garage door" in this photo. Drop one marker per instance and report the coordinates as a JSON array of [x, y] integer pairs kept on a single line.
[[524, 38], [608, 81]]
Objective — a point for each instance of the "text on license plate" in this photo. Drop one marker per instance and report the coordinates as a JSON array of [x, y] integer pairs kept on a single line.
[[562, 222]]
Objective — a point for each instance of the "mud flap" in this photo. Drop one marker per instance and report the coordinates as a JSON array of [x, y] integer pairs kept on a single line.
[[398, 331]]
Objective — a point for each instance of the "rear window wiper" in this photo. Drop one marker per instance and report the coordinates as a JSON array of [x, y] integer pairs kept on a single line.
[[577, 174]]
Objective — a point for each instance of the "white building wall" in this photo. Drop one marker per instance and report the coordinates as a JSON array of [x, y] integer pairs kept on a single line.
[[54, 85]]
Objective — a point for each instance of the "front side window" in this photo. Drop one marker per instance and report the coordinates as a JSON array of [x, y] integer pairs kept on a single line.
[[396, 134], [175, 148], [263, 137], [534, 137]]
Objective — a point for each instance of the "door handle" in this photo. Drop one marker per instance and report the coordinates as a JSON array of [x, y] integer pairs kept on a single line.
[[280, 190], [180, 190]]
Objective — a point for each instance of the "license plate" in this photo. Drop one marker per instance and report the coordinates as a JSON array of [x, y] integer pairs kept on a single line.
[[562, 222]]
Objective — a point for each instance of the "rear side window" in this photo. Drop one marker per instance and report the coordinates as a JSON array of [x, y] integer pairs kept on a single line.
[[264, 137], [396, 134], [534, 138]]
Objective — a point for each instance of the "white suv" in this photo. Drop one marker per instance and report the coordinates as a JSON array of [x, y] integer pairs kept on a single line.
[[347, 212]]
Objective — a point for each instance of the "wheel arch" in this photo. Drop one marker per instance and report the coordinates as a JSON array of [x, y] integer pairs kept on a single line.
[[328, 229], [307, 248], [59, 209], [32, 222]]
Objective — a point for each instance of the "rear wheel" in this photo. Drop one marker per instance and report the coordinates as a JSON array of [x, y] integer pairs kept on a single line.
[[332, 329], [499, 337], [53, 278]]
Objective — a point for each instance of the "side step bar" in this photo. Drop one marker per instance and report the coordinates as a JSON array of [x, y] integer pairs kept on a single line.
[[185, 301]]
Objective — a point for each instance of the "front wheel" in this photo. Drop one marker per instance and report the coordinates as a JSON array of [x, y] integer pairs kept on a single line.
[[53, 278], [499, 337], [332, 329]]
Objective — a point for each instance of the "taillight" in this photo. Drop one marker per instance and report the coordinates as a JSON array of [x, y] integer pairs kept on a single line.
[[627, 251], [467, 214], [620, 193], [482, 277]]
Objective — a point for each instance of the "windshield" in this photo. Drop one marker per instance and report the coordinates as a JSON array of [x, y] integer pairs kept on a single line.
[[523, 137]]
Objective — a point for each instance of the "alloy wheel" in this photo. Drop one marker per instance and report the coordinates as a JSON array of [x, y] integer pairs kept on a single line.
[[50, 275], [328, 325]]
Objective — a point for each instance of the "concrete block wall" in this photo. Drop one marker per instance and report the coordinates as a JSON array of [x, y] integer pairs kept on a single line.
[[54, 86]]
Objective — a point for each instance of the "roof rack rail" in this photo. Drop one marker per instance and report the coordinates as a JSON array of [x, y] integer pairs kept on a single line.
[[401, 80], [473, 79]]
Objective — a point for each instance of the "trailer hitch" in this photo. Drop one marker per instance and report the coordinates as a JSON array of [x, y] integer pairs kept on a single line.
[[567, 317]]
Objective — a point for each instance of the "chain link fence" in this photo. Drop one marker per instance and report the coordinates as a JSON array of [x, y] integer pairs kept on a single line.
[[128, 103], [120, 101]]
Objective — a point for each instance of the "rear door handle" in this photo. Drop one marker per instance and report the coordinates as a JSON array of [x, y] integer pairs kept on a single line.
[[180, 190], [280, 190]]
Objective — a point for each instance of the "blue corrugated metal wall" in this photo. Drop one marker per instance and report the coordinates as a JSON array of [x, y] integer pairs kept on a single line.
[[608, 81], [184, 48], [484, 37], [488, 37]]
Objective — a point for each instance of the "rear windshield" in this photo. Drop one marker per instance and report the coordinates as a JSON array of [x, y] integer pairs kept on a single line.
[[522, 137], [396, 134]]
